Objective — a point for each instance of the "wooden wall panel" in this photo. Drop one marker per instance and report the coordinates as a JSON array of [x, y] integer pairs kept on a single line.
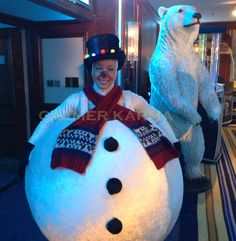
[[105, 17], [225, 60], [12, 98], [148, 38], [6, 96], [141, 12]]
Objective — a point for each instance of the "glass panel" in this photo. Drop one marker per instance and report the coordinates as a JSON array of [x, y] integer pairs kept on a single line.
[[85, 1], [233, 57], [208, 50], [214, 67], [2, 59], [79, 1]]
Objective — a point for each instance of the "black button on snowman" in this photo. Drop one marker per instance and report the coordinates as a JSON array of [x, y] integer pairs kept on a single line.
[[111, 144], [114, 186], [114, 226]]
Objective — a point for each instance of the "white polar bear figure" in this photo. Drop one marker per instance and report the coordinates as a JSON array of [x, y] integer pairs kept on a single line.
[[68, 206], [179, 81]]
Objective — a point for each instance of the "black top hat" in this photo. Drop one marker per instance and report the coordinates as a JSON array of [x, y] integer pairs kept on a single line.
[[104, 46]]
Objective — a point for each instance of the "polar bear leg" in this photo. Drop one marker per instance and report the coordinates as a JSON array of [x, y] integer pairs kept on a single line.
[[193, 153]]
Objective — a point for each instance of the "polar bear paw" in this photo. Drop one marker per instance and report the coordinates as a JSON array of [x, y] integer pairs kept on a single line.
[[197, 185], [214, 114]]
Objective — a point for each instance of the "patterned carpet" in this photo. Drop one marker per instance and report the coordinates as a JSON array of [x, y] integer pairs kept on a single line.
[[217, 208]]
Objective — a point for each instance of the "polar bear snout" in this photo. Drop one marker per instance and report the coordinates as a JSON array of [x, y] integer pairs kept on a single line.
[[197, 15]]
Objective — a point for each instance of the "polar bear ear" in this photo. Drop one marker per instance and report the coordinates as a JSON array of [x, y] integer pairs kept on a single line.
[[162, 11]]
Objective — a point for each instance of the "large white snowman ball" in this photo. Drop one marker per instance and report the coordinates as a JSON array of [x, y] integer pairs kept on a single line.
[[68, 206]]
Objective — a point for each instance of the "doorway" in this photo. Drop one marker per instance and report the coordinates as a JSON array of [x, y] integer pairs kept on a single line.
[[12, 93]]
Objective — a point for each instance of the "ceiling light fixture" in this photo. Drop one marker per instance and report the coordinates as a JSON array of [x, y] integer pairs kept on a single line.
[[234, 12]]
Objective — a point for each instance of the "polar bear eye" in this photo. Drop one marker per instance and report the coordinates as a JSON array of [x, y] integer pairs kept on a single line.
[[181, 10]]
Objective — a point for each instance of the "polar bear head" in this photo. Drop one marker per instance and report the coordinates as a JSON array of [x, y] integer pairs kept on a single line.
[[179, 23]]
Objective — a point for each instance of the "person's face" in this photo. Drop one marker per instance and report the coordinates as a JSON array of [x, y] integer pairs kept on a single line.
[[104, 73]]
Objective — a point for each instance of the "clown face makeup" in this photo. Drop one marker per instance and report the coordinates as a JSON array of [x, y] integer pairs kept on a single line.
[[104, 74]]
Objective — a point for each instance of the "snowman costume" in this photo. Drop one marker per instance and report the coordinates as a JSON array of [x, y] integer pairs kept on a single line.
[[121, 195]]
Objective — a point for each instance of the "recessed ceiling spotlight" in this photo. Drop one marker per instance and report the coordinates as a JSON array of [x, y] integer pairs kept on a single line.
[[227, 2], [234, 12]]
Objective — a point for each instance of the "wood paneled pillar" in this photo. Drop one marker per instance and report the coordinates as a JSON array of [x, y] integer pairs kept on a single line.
[[105, 18]]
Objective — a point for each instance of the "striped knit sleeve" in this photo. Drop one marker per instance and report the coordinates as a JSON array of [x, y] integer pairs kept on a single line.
[[154, 116]]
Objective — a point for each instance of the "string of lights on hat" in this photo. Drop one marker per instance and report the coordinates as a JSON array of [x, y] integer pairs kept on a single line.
[[103, 51]]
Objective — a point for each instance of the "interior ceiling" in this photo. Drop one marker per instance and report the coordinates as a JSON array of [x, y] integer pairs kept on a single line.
[[211, 10], [30, 11]]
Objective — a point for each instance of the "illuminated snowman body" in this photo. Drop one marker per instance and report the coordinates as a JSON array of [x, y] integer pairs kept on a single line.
[[68, 206]]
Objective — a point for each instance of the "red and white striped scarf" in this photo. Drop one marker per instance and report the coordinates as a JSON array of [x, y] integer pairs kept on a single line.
[[76, 143]]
